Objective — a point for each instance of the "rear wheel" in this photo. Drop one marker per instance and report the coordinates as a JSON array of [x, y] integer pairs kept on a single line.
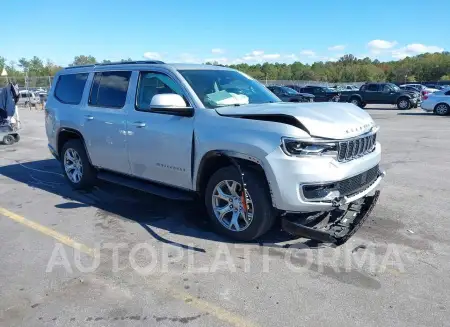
[[442, 109], [8, 139], [235, 213], [76, 165], [356, 102], [403, 103]]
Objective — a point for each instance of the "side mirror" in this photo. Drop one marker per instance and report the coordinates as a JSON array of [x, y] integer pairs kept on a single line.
[[170, 104]]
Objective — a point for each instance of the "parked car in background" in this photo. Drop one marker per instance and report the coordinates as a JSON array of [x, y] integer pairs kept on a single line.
[[155, 127], [351, 88], [435, 86], [411, 88], [423, 89], [321, 93], [28, 98], [382, 93], [287, 94], [437, 102]]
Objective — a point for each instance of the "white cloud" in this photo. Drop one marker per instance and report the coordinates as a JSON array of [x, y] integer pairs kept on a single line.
[[188, 58], [256, 53], [220, 61], [153, 55], [339, 47], [217, 51], [291, 56], [308, 53], [259, 56], [377, 45], [415, 49], [271, 56]]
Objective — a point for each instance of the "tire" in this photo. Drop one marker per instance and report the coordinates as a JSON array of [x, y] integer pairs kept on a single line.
[[356, 102], [442, 109], [86, 176], [263, 213], [8, 139], [363, 105], [403, 104]]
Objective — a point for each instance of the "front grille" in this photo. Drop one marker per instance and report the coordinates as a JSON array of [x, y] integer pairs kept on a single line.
[[358, 183], [355, 148]]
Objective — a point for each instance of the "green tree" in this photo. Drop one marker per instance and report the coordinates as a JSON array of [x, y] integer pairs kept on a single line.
[[83, 60]]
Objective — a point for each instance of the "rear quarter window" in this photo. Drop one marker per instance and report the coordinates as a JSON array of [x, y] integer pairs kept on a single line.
[[69, 88]]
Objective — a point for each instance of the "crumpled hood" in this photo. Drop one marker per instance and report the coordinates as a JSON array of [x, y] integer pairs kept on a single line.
[[332, 120]]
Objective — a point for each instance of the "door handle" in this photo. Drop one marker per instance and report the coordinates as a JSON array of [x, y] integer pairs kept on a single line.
[[139, 124], [89, 117]]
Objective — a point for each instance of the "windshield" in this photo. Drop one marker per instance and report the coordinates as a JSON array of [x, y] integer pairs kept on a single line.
[[218, 88], [394, 87], [288, 90], [329, 89]]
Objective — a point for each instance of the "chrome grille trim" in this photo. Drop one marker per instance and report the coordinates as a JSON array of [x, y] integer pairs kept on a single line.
[[356, 147]]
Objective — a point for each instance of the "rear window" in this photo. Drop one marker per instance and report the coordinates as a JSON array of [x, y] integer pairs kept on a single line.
[[69, 88], [109, 89]]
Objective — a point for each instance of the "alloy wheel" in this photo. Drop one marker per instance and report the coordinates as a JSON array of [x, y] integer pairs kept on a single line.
[[442, 109], [232, 208], [73, 165]]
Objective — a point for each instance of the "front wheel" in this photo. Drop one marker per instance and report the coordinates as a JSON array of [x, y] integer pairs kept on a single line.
[[235, 213], [403, 104], [76, 165], [442, 109]]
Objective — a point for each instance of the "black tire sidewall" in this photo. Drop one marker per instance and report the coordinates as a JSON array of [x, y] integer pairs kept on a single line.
[[264, 216], [358, 102], [401, 99], [448, 110], [88, 177], [8, 140]]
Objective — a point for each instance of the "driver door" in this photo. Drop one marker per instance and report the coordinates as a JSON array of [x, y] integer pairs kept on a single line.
[[388, 95], [159, 145]]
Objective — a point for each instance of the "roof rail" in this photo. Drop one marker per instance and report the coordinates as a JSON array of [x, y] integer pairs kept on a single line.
[[154, 62]]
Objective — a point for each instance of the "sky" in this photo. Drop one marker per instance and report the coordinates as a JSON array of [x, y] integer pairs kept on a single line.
[[227, 31]]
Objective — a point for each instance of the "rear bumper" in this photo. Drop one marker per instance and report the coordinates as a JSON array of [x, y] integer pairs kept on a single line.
[[53, 151]]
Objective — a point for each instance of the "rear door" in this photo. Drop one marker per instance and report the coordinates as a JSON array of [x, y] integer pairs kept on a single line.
[[372, 93], [104, 120], [160, 145]]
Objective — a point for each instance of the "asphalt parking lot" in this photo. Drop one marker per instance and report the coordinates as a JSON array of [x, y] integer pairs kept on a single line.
[[158, 264]]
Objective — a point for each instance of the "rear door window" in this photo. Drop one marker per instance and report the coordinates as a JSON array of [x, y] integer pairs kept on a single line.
[[69, 88], [109, 89], [373, 88]]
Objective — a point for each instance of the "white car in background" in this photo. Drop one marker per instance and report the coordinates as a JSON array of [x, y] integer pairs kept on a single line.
[[28, 98], [424, 90], [437, 102]]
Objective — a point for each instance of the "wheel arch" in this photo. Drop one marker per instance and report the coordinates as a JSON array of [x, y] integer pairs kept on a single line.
[[64, 135], [437, 104], [216, 159], [355, 96]]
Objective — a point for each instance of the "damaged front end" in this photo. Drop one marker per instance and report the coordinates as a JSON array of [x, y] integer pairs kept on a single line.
[[335, 226]]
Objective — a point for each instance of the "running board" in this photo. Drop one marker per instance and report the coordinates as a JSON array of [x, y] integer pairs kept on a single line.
[[338, 232], [145, 186]]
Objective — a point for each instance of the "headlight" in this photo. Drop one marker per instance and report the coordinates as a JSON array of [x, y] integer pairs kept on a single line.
[[293, 147]]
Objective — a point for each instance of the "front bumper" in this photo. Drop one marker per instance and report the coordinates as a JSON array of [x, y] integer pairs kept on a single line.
[[287, 177], [338, 229]]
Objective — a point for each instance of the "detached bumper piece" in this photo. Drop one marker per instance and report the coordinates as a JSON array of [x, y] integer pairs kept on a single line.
[[337, 226]]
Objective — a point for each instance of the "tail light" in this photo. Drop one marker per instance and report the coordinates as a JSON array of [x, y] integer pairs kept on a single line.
[[425, 96]]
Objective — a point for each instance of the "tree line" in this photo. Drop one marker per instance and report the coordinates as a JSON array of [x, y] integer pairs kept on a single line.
[[424, 67]]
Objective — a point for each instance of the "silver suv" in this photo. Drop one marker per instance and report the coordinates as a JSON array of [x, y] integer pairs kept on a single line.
[[200, 131]]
